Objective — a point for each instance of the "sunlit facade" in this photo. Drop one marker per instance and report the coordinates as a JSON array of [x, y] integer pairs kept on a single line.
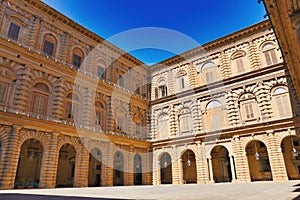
[[77, 111]]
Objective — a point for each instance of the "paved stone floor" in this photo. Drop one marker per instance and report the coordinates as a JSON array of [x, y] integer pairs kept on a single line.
[[239, 191]]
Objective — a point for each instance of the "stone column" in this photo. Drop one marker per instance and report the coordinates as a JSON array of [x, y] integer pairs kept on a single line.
[[108, 167], [276, 159], [241, 163], [156, 169], [211, 174], [176, 172], [147, 168], [202, 168], [49, 164], [180, 172], [129, 168], [232, 167], [10, 159], [82, 168]]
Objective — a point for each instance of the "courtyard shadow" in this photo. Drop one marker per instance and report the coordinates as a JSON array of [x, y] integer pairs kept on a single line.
[[297, 189], [46, 197]]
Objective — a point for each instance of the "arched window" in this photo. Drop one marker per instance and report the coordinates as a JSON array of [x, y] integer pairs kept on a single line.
[[269, 52], [210, 72], [185, 121], [163, 126], [14, 31], [181, 80], [248, 107], [100, 115], [72, 107], [161, 90], [40, 97], [238, 62], [49, 45], [281, 102], [215, 116], [77, 58]]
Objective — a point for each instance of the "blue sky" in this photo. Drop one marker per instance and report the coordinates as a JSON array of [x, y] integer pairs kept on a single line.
[[184, 24]]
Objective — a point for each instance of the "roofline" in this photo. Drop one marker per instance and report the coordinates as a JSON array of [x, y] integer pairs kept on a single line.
[[214, 44]]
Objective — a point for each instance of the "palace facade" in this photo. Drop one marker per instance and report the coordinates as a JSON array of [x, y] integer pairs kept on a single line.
[[77, 111]]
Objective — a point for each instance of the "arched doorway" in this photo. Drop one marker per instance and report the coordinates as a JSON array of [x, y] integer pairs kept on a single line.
[[66, 166], [290, 149], [118, 169], [29, 165], [95, 167], [166, 169], [221, 164], [138, 170], [258, 161], [189, 167]]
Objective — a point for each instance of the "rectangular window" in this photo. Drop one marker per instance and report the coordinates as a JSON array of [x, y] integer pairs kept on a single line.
[[13, 31], [137, 89], [121, 81], [39, 103], [48, 49], [209, 77], [100, 72], [185, 123], [98, 120], [182, 83], [137, 130], [240, 65], [71, 110], [249, 111], [3, 92], [283, 105], [156, 93], [120, 123], [270, 57], [163, 91], [76, 61]]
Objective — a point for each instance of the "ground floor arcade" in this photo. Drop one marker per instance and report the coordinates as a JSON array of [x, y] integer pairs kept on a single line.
[[264, 156], [31, 158]]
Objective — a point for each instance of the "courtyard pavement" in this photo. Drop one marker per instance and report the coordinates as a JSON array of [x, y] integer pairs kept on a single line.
[[236, 191]]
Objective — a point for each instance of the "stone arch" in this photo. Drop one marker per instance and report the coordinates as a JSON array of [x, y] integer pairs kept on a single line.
[[138, 169], [95, 175], [221, 167], [74, 141], [165, 166], [118, 175], [68, 165], [29, 167], [290, 148], [258, 160], [189, 166]]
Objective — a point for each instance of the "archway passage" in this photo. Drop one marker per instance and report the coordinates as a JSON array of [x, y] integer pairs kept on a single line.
[[189, 167], [290, 149], [95, 168], [166, 169], [118, 169], [138, 170], [29, 165], [258, 161], [221, 164], [66, 166]]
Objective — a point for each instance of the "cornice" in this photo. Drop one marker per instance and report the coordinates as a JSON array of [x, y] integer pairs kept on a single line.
[[79, 28], [218, 43]]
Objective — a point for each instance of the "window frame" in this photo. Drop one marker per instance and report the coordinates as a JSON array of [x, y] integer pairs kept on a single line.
[[9, 34]]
